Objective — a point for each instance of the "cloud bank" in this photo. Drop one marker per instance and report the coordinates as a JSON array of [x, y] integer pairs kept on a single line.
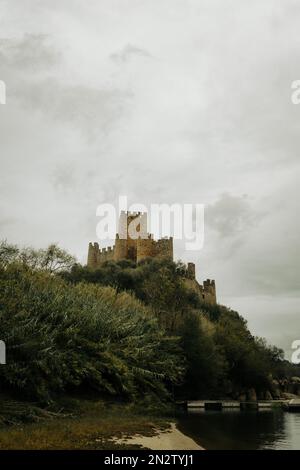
[[165, 101]]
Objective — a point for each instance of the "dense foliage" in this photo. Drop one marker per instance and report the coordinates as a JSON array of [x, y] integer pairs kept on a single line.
[[61, 336], [222, 356], [123, 330]]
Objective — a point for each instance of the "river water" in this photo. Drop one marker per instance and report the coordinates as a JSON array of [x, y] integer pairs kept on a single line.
[[235, 429]]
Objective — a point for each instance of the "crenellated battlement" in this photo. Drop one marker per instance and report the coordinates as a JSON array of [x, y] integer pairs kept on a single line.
[[209, 291], [133, 214], [206, 291], [128, 245], [97, 256], [144, 246]]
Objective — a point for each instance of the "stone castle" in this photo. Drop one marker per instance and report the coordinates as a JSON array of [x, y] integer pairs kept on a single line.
[[133, 242]]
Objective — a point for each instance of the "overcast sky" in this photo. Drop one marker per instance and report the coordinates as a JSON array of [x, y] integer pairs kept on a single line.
[[162, 101]]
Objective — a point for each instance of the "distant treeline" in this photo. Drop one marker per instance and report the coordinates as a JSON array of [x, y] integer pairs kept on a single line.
[[125, 331]]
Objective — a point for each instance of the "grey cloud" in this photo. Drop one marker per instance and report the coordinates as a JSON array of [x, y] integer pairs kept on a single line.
[[128, 52], [6, 221], [266, 258], [272, 257], [63, 177], [230, 215], [31, 52], [93, 111]]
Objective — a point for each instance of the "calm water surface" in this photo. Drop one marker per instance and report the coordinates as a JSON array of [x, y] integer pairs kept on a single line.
[[234, 429]]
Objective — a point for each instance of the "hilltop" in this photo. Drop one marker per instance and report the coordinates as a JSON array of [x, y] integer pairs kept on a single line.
[[135, 332]]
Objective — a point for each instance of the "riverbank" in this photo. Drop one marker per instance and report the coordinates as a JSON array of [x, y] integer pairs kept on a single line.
[[168, 439], [96, 425]]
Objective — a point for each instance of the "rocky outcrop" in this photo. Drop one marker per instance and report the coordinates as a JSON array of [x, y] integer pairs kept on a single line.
[[289, 385], [275, 390], [251, 395], [268, 395], [285, 387], [295, 382], [279, 389]]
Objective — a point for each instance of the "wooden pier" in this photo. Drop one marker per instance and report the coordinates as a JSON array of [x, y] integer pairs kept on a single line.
[[219, 405], [293, 405]]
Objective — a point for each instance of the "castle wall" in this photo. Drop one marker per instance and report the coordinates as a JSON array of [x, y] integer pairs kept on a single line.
[[149, 248], [120, 249], [143, 247], [164, 248], [106, 254], [97, 256], [207, 291]]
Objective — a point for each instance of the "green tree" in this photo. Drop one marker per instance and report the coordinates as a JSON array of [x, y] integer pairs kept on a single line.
[[61, 336]]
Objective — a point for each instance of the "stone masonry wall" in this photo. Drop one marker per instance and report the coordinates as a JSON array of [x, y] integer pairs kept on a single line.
[[143, 247]]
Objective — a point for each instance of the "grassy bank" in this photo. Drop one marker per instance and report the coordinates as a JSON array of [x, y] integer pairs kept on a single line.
[[84, 425]]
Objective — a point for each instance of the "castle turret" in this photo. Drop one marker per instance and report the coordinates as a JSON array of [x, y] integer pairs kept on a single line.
[[92, 255], [191, 271], [209, 289]]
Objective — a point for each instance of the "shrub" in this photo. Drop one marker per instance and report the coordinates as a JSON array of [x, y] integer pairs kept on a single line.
[[60, 336]]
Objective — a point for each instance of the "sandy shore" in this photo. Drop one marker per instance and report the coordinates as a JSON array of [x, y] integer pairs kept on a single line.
[[171, 439]]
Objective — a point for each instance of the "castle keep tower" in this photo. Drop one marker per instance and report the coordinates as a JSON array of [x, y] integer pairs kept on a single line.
[[132, 242]]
